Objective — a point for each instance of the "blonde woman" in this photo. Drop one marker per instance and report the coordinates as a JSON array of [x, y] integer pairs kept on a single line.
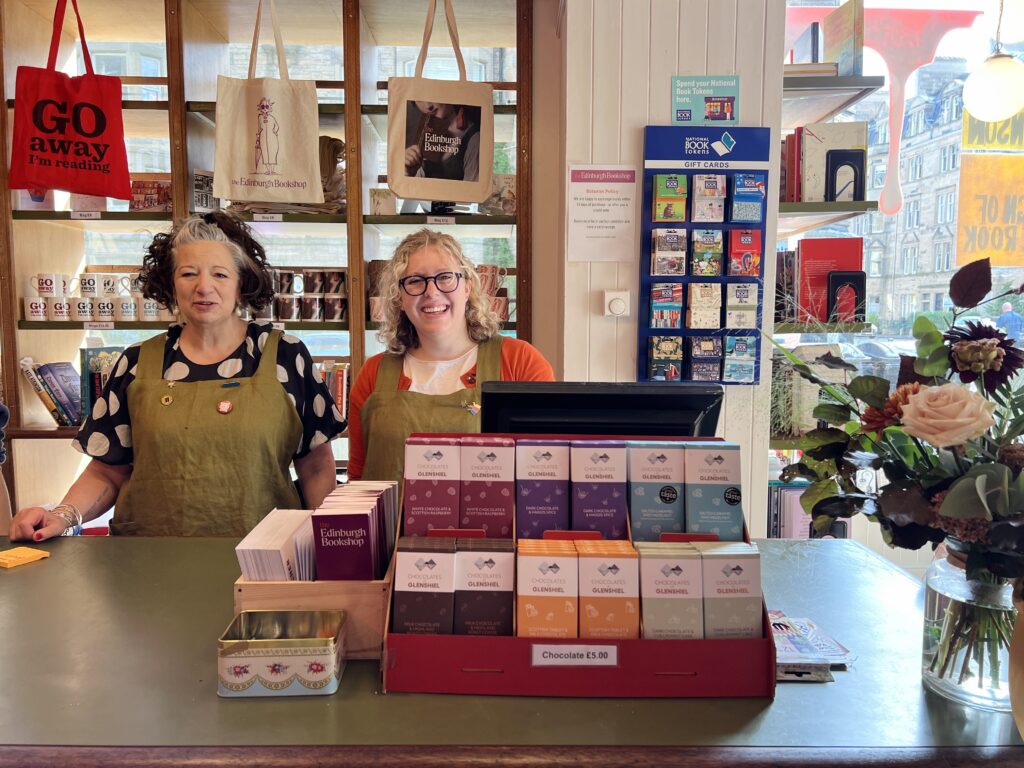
[[442, 340]]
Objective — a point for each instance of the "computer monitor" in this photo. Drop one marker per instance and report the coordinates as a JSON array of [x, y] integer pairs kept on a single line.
[[599, 408]]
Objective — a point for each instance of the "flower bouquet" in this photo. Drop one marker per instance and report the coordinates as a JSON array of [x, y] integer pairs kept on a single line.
[[947, 440]]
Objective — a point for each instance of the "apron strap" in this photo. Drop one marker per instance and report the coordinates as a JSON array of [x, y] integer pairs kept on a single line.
[[389, 373], [267, 368], [488, 360], [151, 358]]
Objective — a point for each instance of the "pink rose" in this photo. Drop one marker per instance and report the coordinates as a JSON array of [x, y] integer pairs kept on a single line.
[[947, 415]]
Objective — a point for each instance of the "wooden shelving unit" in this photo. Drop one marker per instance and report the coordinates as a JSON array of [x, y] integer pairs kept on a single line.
[[196, 36]]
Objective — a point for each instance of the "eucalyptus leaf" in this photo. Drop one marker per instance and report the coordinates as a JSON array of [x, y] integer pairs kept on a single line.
[[873, 390], [923, 326], [936, 364], [912, 536], [982, 493], [908, 375], [833, 413], [928, 343], [816, 492], [971, 284], [905, 503]]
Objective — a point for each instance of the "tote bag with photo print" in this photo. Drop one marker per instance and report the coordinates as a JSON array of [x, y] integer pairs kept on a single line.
[[267, 146], [68, 131], [440, 132]]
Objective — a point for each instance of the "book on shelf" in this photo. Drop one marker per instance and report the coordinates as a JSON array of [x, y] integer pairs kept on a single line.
[[95, 364], [64, 384], [335, 376], [278, 548], [808, 46], [842, 33], [785, 287], [816, 257], [817, 69], [150, 195], [28, 370], [833, 159]]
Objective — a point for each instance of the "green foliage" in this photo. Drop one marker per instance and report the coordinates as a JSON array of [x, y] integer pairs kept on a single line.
[[873, 390]]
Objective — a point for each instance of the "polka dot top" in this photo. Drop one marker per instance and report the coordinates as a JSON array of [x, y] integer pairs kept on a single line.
[[107, 433]]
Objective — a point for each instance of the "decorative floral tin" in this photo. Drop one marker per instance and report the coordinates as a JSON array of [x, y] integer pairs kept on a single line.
[[281, 653]]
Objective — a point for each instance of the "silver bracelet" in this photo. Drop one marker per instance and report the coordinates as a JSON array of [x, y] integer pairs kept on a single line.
[[72, 518]]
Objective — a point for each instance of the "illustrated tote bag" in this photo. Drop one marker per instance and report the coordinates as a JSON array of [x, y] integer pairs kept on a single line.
[[267, 143], [68, 131], [440, 132]]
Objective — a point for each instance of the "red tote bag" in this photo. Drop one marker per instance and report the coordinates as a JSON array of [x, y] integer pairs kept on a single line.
[[68, 131]]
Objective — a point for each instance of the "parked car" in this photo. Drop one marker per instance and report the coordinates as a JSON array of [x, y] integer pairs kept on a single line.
[[878, 350]]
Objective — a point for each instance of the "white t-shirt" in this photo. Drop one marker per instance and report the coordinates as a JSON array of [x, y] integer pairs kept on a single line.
[[438, 377]]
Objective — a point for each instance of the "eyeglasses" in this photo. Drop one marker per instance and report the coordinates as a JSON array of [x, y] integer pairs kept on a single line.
[[416, 285]]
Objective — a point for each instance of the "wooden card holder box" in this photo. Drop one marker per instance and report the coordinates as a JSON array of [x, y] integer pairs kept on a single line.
[[512, 666], [365, 604]]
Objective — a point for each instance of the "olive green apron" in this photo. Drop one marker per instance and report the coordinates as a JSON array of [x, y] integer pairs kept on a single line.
[[201, 472], [389, 416]]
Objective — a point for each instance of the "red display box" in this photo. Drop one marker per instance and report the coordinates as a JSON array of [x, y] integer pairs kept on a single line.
[[526, 666], [506, 666]]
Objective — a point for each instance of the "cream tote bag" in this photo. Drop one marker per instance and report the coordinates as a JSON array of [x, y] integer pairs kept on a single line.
[[440, 132], [267, 147]]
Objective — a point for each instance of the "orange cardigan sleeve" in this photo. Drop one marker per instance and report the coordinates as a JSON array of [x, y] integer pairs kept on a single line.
[[362, 388], [521, 361]]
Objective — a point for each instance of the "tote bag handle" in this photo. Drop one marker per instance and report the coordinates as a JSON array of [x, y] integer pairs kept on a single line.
[[281, 63], [58, 26], [453, 32]]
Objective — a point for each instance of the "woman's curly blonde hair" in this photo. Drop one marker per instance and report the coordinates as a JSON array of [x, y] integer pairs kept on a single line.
[[397, 333]]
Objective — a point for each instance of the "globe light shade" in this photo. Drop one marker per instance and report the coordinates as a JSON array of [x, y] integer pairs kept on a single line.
[[995, 91]]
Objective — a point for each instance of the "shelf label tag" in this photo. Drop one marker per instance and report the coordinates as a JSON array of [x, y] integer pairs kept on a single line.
[[98, 326], [574, 655], [277, 326], [440, 220], [267, 217], [86, 215]]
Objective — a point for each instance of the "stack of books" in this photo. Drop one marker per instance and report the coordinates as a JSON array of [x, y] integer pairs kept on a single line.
[[279, 548], [58, 387], [354, 530]]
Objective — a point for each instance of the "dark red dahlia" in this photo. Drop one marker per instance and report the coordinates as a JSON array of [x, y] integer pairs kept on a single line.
[[1010, 363]]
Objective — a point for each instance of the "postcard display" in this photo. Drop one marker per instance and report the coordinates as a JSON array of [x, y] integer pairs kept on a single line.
[[702, 249]]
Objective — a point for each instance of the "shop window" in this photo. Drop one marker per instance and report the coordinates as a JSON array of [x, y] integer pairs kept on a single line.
[[915, 168], [912, 214], [875, 263], [908, 258], [110, 64]]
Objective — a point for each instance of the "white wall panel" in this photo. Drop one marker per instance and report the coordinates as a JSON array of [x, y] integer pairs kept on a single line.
[[621, 56]]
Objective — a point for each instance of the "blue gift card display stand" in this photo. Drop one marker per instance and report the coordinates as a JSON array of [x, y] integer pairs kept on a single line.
[[682, 156]]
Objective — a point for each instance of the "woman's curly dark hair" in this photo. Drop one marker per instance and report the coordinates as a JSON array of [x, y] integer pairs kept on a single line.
[[256, 288]]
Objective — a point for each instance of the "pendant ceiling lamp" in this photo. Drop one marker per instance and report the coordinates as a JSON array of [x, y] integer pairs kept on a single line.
[[995, 91]]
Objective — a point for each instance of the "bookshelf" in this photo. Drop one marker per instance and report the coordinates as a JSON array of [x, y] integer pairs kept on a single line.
[[197, 40], [797, 218], [817, 98]]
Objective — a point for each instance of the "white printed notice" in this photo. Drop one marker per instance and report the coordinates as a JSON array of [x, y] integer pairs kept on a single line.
[[602, 213]]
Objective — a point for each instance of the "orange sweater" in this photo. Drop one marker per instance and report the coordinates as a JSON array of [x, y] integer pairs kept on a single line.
[[520, 361]]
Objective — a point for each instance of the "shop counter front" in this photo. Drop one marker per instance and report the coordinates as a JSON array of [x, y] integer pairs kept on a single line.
[[108, 656]]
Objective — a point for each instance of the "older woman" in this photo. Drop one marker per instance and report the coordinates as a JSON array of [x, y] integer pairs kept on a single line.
[[196, 429], [442, 340]]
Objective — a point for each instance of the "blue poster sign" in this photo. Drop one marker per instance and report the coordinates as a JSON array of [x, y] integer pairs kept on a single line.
[[705, 100], [706, 147]]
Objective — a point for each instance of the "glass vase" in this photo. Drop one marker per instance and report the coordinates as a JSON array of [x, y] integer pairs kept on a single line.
[[968, 624]]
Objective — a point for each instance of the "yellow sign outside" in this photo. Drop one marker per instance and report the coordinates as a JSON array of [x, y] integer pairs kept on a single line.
[[990, 217], [1004, 136]]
